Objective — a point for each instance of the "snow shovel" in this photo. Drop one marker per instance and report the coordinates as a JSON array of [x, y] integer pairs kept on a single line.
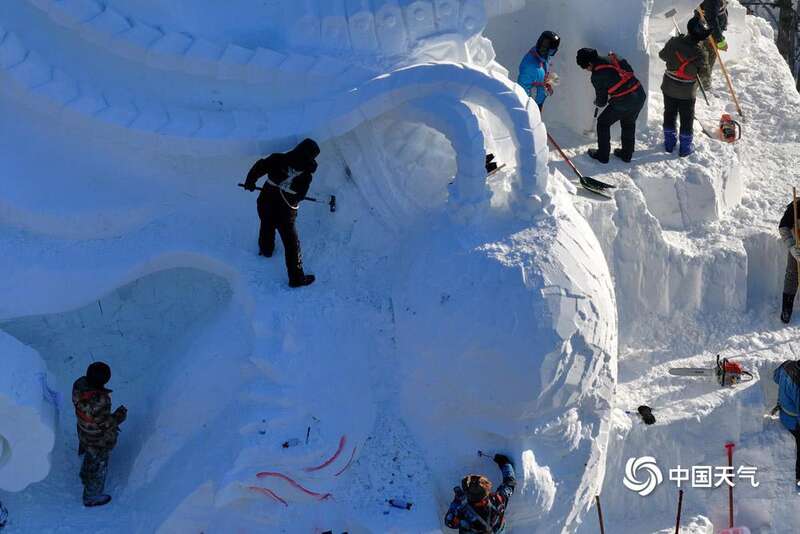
[[590, 184], [331, 203]]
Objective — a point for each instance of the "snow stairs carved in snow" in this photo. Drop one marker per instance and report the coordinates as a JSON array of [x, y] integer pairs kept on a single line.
[[337, 26], [212, 132]]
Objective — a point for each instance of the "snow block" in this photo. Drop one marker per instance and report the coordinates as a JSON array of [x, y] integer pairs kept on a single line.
[[473, 16], [133, 44], [362, 27], [150, 120], [263, 64], [119, 114], [12, 51], [61, 89], [73, 13], [420, 19], [390, 29], [182, 123], [105, 27], [32, 72], [215, 125], [233, 63], [334, 32], [167, 53], [202, 57], [27, 416], [447, 15]]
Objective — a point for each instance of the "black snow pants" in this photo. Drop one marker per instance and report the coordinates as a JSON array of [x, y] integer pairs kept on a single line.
[[93, 472], [796, 434], [626, 115], [281, 218], [674, 107]]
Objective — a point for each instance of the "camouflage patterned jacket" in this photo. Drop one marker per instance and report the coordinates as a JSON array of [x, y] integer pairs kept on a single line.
[[97, 426]]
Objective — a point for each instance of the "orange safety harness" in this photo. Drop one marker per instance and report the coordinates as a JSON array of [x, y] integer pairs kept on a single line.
[[625, 76], [535, 55], [680, 75]]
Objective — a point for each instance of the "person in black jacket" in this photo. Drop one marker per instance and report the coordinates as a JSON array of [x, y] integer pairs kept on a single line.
[[617, 88], [715, 13], [289, 176], [786, 229]]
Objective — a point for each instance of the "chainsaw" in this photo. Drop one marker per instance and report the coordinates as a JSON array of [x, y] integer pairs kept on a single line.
[[727, 372]]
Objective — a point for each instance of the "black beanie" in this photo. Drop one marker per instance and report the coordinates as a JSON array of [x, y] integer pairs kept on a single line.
[[585, 57], [98, 374]]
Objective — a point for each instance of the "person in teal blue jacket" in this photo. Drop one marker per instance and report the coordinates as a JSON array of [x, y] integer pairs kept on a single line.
[[787, 376], [534, 70]]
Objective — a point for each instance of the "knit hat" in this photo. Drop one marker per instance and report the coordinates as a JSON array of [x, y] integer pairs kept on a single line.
[[98, 374], [586, 56], [476, 487]]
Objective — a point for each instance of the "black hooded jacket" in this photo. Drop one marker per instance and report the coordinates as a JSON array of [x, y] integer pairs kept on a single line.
[[297, 166]]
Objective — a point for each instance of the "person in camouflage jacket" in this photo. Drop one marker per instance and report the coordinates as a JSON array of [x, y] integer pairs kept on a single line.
[[97, 430]]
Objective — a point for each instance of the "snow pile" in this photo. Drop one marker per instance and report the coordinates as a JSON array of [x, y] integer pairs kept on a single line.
[[513, 346], [27, 416]]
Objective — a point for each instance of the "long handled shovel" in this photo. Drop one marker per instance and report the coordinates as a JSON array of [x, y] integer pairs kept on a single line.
[[590, 184], [713, 43]]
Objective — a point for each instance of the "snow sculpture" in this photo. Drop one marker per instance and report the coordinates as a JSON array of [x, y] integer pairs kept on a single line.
[[27, 416], [513, 346], [499, 279]]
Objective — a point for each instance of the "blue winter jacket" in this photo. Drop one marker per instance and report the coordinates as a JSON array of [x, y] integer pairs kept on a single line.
[[787, 376], [532, 72]]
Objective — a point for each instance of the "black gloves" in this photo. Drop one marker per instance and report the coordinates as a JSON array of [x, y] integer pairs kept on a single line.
[[120, 414], [501, 459]]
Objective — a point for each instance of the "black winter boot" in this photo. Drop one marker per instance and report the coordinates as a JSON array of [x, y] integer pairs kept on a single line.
[[624, 156], [786, 311], [300, 281], [595, 154]]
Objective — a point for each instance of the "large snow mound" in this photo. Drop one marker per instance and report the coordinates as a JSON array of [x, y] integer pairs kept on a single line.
[[27, 416]]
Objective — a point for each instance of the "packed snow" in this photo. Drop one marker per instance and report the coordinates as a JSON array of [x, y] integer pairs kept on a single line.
[[451, 313]]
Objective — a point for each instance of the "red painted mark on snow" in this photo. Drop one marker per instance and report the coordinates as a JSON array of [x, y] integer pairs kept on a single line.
[[332, 459], [269, 493], [343, 469], [320, 496]]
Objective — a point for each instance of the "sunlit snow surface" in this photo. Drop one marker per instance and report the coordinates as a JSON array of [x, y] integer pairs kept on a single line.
[[450, 314]]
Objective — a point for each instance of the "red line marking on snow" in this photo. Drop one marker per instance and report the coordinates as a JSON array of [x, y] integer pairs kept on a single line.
[[269, 493], [320, 496], [343, 469], [332, 459]]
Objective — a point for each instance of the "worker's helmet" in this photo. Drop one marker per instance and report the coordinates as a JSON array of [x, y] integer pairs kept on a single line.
[[547, 44], [476, 487]]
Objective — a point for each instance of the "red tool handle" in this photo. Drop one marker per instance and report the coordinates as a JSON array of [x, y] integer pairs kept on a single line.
[[729, 447]]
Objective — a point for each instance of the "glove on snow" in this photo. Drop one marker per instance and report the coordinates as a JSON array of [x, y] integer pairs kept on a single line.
[[647, 414], [723, 45]]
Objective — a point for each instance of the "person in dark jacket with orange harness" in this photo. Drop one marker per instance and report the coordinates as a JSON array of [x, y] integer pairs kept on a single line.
[[97, 430], [687, 59], [617, 89], [289, 177]]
